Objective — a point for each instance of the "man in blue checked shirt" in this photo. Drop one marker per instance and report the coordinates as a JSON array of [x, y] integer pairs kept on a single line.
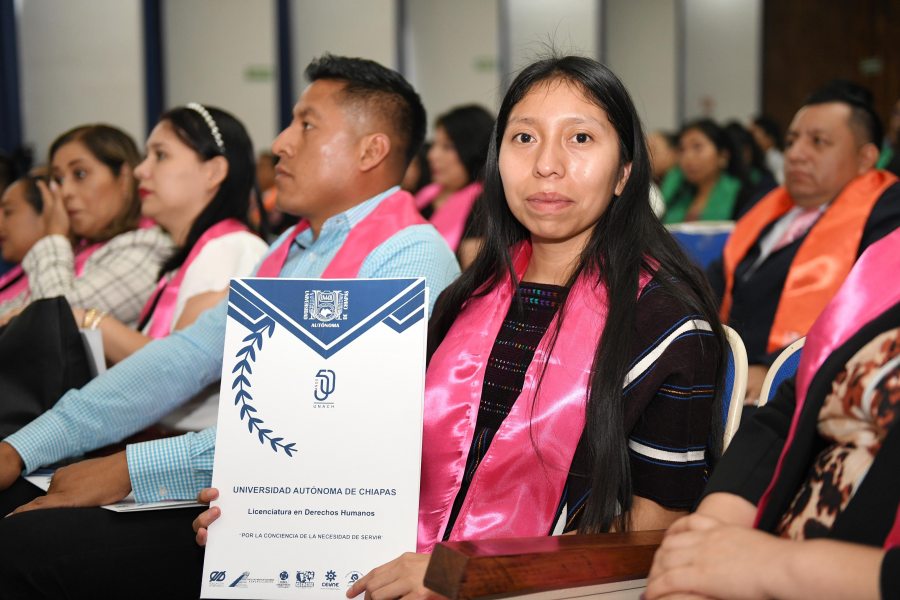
[[353, 132]]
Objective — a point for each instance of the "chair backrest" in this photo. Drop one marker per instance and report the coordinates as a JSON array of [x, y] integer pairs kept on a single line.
[[735, 385], [703, 241], [784, 367]]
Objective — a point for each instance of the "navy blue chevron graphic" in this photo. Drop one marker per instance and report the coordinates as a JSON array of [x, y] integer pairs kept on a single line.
[[398, 303]]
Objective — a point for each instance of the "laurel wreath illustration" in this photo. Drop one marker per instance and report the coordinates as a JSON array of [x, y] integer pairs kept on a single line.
[[241, 383]]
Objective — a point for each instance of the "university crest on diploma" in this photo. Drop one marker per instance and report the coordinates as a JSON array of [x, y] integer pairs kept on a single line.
[[319, 439]]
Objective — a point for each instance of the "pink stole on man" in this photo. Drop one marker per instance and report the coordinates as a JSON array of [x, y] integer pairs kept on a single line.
[[164, 298], [516, 490], [450, 218], [15, 281], [865, 294], [394, 213]]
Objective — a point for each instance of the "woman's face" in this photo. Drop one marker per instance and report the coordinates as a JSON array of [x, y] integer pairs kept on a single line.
[[92, 194], [662, 156], [559, 162], [446, 168], [174, 184], [700, 160], [21, 226]]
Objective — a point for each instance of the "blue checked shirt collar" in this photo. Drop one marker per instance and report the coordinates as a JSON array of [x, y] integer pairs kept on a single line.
[[338, 227]]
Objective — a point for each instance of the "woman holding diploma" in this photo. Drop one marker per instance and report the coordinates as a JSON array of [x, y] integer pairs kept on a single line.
[[574, 367]]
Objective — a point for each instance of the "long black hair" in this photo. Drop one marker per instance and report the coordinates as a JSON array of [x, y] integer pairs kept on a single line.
[[750, 154], [627, 239], [469, 128], [723, 142], [232, 200]]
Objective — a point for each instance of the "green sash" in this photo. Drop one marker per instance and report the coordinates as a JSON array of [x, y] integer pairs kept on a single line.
[[887, 153], [719, 208]]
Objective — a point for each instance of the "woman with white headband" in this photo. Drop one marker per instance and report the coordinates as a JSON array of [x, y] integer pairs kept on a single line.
[[195, 182]]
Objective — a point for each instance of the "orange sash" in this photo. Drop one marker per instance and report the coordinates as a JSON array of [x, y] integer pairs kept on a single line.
[[823, 260]]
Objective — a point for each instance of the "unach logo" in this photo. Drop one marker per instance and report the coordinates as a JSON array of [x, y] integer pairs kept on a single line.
[[325, 381], [325, 305]]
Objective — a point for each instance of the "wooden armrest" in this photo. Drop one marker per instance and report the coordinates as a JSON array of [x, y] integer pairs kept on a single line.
[[498, 568]]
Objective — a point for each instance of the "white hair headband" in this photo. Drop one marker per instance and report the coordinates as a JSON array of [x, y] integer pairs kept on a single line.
[[210, 122]]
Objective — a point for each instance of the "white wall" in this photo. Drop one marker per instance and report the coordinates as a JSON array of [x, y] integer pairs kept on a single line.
[[722, 58], [81, 62], [641, 48], [452, 53], [568, 26], [365, 29], [222, 52]]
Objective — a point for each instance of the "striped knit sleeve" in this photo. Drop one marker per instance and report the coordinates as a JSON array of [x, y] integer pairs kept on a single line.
[[669, 398], [667, 412]]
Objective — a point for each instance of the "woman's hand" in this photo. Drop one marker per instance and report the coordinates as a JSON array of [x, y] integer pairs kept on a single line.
[[756, 374], [702, 557], [5, 319], [56, 219], [403, 578], [206, 518]]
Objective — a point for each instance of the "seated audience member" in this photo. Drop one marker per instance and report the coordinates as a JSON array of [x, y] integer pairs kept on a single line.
[[666, 174], [580, 267], [753, 163], [789, 254], [805, 502], [92, 199], [456, 161], [417, 175], [768, 137], [354, 131], [21, 226], [890, 149], [567, 182], [663, 149], [714, 184], [275, 220], [195, 182], [9, 171]]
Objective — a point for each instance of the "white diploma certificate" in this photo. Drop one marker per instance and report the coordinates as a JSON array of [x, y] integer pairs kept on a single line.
[[319, 442]]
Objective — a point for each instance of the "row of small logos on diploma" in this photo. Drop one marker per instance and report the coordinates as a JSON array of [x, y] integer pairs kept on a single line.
[[302, 579]]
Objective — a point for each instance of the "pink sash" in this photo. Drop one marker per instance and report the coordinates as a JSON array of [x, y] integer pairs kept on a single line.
[[82, 255], [17, 286], [867, 292], [450, 218], [84, 250], [515, 491], [165, 296], [394, 213], [13, 283]]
